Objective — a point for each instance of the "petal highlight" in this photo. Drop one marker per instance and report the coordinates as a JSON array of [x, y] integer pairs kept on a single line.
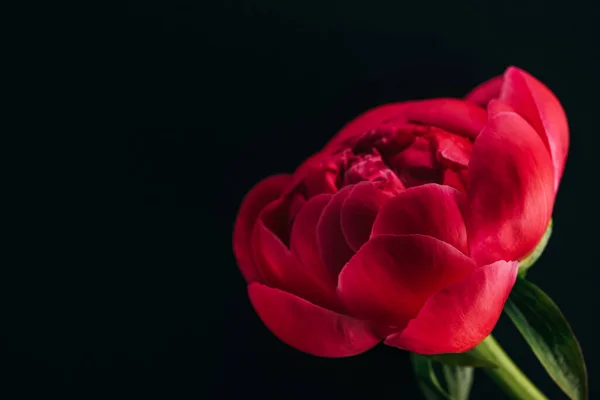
[[308, 327], [459, 317], [510, 189], [539, 106], [433, 210], [390, 277]]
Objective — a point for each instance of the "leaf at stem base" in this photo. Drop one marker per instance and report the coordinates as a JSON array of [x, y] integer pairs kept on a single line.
[[550, 337], [458, 379]]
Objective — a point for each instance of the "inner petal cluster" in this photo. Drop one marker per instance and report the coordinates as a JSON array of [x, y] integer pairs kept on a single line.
[[396, 158]]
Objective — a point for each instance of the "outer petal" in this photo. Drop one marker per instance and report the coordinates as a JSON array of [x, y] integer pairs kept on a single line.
[[488, 90], [510, 189], [364, 122], [280, 268], [359, 211], [460, 316], [259, 196], [390, 277], [452, 115], [538, 105], [308, 327], [432, 209], [304, 243], [331, 243]]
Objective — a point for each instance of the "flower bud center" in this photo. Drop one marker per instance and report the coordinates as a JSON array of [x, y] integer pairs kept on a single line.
[[396, 157], [392, 157]]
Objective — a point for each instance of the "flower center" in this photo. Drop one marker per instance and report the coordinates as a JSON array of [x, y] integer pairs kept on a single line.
[[398, 157]]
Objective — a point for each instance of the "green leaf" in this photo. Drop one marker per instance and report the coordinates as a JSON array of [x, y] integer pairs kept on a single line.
[[431, 387], [468, 359], [530, 259], [458, 379], [548, 334]]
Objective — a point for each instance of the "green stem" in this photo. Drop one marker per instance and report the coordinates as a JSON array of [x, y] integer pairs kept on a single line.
[[507, 375]]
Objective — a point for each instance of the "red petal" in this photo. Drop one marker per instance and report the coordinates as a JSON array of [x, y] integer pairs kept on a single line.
[[321, 179], [433, 210], [276, 217], [486, 91], [419, 155], [452, 115], [538, 105], [259, 196], [417, 165], [281, 269], [390, 277], [316, 175], [455, 179], [364, 122], [308, 327], [510, 189], [304, 243], [459, 317], [334, 250], [359, 211], [452, 150]]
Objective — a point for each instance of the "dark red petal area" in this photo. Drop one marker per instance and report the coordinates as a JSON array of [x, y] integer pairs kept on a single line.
[[432, 209], [455, 179], [314, 176], [359, 211], [453, 151], [419, 155], [488, 90], [259, 196], [453, 115], [304, 232], [365, 122], [510, 189], [331, 243], [459, 317], [537, 105], [279, 267], [308, 327], [304, 244], [321, 179], [417, 165], [390, 277]]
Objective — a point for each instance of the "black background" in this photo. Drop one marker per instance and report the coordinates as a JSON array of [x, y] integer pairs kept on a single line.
[[227, 94]]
